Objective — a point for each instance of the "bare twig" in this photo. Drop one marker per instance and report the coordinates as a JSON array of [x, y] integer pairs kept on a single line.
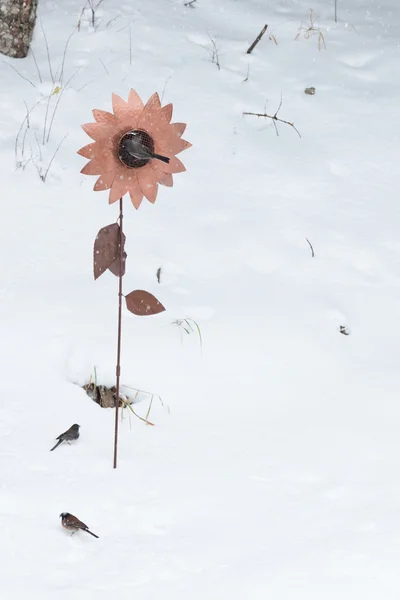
[[27, 127], [64, 55], [123, 28], [43, 176], [93, 9], [214, 52], [58, 102], [45, 117], [130, 45], [312, 249], [247, 76], [104, 66], [258, 38], [191, 3], [335, 11], [274, 118], [26, 163], [37, 66], [112, 20], [47, 50], [273, 39], [78, 26], [38, 145], [22, 125], [84, 85], [164, 88], [22, 76]]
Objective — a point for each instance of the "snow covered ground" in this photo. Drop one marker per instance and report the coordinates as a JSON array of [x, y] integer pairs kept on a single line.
[[275, 472]]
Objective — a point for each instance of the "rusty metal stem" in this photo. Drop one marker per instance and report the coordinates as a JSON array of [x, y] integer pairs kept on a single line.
[[118, 368]]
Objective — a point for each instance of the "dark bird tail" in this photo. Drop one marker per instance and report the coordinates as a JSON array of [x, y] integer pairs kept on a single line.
[[93, 534], [162, 158], [58, 443]]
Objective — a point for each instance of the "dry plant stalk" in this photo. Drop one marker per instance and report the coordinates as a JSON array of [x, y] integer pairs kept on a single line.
[[189, 325], [214, 52], [311, 29]]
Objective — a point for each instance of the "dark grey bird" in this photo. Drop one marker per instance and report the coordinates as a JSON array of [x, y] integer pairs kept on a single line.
[[139, 151], [73, 524], [68, 436]]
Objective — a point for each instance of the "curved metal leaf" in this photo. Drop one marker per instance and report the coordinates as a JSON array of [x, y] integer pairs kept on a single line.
[[115, 266], [105, 250], [143, 303]]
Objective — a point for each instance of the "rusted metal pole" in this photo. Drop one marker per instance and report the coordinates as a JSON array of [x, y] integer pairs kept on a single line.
[[118, 368]]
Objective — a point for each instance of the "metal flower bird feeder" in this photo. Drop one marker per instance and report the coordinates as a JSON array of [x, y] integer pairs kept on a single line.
[[134, 150]]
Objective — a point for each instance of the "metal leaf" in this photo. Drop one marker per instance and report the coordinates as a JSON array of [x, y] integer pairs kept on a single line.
[[115, 266], [143, 303], [105, 250]]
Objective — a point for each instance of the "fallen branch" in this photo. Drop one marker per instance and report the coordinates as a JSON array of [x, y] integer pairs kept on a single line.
[[274, 118], [258, 38]]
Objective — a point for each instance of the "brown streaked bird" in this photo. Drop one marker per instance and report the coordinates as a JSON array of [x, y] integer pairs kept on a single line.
[[68, 436], [73, 524]]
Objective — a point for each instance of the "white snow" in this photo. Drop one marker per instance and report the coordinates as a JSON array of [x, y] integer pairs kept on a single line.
[[274, 474]]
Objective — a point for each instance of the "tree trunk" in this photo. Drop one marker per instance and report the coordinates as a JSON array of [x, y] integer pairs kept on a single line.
[[17, 21]]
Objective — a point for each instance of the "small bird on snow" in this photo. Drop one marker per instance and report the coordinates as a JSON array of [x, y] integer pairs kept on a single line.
[[68, 436], [139, 151], [73, 524]]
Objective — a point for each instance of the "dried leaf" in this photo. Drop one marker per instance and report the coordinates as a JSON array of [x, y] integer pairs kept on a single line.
[[143, 303], [105, 250]]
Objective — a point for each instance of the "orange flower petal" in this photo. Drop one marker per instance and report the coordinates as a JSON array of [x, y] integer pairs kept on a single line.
[[172, 144], [118, 189], [105, 152], [94, 167], [165, 178], [94, 130], [135, 193], [104, 182], [119, 106], [147, 179], [127, 122], [150, 117], [179, 128], [103, 117], [88, 151], [183, 145], [166, 113], [135, 101], [174, 166]]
